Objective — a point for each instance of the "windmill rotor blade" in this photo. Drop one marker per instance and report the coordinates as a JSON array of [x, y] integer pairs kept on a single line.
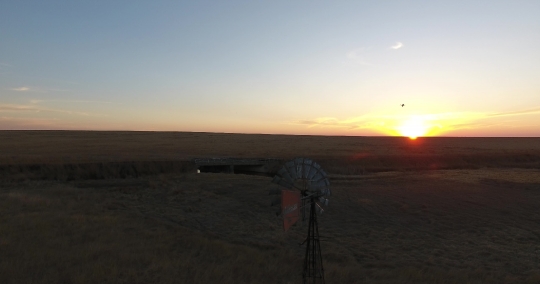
[[319, 185], [319, 176], [312, 172], [323, 201], [290, 167], [308, 197], [289, 164], [322, 181], [306, 168], [298, 167], [319, 208], [286, 183], [283, 182], [285, 175], [305, 171], [317, 170], [326, 192]]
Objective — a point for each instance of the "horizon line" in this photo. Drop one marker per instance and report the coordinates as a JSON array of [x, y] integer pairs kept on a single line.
[[245, 133]]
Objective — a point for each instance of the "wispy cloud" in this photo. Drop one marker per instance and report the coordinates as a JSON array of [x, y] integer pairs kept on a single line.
[[37, 108], [518, 112], [362, 122], [6, 107], [397, 45], [24, 123], [328, 121], [358, 56], [36, 101], [38, 89], [21, 89], [350, 123], [391, 124], [29, 89]]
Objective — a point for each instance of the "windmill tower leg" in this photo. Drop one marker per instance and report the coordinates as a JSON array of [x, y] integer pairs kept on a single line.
[[313, 268]]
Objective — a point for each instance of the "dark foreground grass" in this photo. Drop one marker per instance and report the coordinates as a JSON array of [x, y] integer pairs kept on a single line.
[[52, 233], [390, 228]]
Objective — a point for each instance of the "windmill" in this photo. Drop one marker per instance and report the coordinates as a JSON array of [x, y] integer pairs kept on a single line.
[[306, 192]]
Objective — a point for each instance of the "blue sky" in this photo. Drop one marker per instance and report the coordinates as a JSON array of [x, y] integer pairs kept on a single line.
[[463, 68]]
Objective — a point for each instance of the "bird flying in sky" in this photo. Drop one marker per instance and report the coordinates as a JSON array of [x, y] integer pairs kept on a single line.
[[402, 105]]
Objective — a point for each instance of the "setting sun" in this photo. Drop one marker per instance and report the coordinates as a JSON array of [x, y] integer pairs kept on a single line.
[[413, 128]]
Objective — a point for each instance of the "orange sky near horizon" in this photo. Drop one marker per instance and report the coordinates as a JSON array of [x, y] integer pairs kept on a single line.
[[461, 68]]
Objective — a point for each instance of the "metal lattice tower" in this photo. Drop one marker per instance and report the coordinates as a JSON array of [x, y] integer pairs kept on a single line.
[[313, 267]]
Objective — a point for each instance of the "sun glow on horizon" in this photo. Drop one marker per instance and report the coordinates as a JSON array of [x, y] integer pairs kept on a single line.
[[414, 127], [411, 125]]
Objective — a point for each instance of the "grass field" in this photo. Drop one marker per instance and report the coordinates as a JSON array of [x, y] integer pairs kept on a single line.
[[474, 223], [62, 155]]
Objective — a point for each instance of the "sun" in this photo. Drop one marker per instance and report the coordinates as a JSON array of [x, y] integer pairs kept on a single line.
[[413, 128]]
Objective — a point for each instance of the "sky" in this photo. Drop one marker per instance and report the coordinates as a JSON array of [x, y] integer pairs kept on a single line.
[[461, 68]]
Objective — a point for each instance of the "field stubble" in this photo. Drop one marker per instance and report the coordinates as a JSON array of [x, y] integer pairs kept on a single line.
[[71, 155], [393, 227], [127, 207]]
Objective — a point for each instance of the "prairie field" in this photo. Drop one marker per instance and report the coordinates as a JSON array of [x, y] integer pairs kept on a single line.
[[61, 155], [129, 207]]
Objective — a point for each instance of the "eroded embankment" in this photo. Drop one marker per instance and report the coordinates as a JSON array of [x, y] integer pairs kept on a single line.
[[84, 171], [334, 165]]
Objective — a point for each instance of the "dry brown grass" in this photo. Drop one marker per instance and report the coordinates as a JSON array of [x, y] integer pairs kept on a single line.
[[399, 227], [72, 211], [98, 146], [122, 232], [86, 154]]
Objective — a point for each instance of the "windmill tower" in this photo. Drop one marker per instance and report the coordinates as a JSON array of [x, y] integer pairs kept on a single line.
[[306, 192]]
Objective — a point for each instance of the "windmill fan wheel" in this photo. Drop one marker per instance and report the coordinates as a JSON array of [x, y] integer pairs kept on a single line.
[[308, 177]]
